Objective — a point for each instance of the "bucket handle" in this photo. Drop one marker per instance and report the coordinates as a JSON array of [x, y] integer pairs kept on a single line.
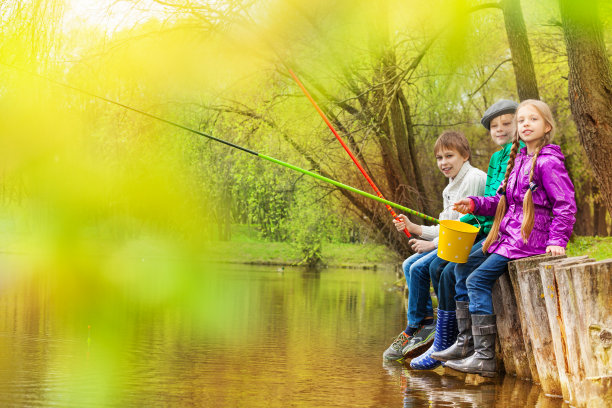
[[475, 217]]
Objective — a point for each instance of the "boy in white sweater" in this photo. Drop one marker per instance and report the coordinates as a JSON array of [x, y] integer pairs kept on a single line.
[[452, 152]]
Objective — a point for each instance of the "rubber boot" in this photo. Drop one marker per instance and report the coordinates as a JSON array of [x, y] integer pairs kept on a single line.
[[464, 346], [446, 333], [482, 361]]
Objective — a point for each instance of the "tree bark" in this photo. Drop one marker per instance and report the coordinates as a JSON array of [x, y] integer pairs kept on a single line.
[[522, 62], [590, 87], [391, 113]]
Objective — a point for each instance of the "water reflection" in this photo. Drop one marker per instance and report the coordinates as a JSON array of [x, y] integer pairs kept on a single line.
[[447, 388], [216, 337]]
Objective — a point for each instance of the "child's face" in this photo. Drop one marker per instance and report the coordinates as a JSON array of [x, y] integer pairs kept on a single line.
[[531, 125], [502, 129], [450, 162]]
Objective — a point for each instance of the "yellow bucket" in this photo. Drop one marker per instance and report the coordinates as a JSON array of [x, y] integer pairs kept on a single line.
[[455, 240]]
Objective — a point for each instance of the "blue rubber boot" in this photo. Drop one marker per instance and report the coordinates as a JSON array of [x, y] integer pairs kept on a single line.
[[446, 334]]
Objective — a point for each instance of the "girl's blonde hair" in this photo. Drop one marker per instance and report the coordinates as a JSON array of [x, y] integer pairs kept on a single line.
[[528, 209]]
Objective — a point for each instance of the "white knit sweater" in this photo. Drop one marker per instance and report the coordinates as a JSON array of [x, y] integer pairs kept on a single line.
[[470, 181]]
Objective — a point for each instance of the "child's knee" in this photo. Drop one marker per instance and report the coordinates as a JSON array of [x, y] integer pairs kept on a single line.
[[448, 274], [472, 282], [406, 265], [419, 273]]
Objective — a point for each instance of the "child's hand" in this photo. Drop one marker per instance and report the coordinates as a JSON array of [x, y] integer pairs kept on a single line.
[[464, 206], [402, 222], [420, 246], [555, 250]]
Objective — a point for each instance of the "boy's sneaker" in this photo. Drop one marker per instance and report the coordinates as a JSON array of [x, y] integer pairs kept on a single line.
[[420, 341], [394, 352]]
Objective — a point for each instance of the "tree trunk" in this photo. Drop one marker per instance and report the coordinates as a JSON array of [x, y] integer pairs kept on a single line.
[[600, 224], [388, 109], [522, 62], [590, 87], [584, 219]]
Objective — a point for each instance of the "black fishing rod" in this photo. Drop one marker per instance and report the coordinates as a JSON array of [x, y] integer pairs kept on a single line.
[[225, 142]]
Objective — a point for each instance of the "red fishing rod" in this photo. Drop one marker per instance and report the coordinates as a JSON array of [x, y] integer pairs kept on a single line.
[[331, 127]]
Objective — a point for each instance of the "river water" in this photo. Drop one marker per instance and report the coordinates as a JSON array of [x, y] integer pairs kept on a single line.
[[224, 336]]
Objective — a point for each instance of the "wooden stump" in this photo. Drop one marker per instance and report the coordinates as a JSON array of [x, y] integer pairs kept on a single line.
[[507, 326], [554, 333], [532, 303], [586, 319], [514, 269], [516, 352], [509, 331]]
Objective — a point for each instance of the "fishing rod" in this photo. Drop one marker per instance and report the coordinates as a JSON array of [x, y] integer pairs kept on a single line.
[[331, 127], [244, 149]]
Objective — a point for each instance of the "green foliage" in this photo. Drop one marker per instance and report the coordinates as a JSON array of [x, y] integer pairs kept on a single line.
[[135, 176], [599, 248]]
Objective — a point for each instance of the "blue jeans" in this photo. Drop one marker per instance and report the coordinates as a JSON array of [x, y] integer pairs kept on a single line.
[[416, 270], [406, 265], [462, 271], [480, 283], [442, 274]]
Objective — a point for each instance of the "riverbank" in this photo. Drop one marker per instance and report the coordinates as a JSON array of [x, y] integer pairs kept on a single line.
[[245, 247]]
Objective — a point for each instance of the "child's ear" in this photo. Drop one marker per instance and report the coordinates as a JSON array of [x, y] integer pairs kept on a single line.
[[547, 128]]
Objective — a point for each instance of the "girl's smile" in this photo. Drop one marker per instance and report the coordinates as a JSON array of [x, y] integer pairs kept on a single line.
[[531, 126]]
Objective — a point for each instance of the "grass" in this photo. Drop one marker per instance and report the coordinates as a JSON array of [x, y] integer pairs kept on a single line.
[[599, 248], [246, 247]]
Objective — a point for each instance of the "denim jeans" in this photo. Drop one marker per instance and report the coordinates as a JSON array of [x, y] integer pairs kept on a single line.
[[480, 283], [406, 267], [442, 274], [462, 271], [416, 270]]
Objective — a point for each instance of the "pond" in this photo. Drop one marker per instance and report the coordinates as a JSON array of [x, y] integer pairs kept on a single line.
[[216, 336]]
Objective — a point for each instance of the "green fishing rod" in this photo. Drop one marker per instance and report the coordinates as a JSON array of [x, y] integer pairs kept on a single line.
[[225, 142]]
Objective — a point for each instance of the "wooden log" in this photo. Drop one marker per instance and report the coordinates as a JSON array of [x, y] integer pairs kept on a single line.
[[550, 298], [532, 303], [516, 351], [509, 332], [584, 293], [535, 327], [514, 268], [509, 328]]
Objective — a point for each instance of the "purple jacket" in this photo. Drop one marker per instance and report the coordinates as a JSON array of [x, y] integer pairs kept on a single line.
[[554, 205]]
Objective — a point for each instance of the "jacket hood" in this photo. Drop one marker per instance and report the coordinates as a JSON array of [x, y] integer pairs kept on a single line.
[[548, 150]]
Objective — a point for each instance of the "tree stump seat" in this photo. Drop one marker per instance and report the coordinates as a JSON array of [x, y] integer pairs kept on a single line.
[[554, 322]]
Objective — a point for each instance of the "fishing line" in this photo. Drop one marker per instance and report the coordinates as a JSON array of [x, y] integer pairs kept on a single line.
[[244, 149]]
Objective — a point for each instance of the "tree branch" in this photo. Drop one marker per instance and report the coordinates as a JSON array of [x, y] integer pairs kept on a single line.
[[490, 76]]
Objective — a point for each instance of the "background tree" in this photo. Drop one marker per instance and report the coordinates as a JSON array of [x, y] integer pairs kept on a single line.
[[590, 87]]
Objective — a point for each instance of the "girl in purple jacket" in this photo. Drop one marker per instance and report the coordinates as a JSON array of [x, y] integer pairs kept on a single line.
[[534, 214]]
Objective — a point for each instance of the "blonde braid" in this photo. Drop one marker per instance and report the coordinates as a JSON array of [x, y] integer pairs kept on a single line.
[[501, 206], [528, 209]]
